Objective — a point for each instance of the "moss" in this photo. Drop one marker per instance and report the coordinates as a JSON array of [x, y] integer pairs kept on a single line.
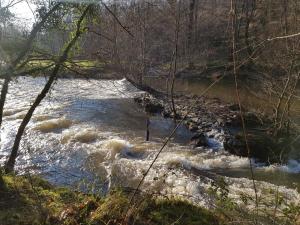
[[41, 183], [40, 67], [87, 63], [113, 208], [178, 212], [32, 200], [150, 211]]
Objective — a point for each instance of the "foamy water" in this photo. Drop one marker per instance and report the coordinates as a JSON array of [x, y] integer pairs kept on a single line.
[[90, 134]]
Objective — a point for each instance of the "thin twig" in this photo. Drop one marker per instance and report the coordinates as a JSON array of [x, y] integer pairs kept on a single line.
[[116, 18], [284, 37]]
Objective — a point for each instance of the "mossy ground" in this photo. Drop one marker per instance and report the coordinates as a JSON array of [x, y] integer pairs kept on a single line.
[[32, 200]]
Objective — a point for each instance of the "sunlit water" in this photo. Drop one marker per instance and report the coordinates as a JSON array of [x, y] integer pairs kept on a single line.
[[90, 134]]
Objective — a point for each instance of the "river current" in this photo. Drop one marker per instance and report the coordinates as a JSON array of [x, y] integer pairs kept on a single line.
[[89, 134]]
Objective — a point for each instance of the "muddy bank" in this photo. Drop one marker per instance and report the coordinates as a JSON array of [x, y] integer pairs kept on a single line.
[[208, 117]]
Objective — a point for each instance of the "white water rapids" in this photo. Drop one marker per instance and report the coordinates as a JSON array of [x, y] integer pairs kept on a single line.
[[91, 135]]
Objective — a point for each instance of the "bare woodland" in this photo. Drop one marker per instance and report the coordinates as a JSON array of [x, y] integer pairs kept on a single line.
[[255, 44]]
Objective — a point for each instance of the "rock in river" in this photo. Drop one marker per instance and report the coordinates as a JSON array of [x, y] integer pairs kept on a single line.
[[199, 140], [262, 147]]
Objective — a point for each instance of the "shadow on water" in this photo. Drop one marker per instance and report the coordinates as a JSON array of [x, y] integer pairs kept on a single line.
[[124, 116]]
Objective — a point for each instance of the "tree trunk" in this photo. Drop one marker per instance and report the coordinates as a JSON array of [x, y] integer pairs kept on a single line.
[[115, 53], [9, 166], [143, 42], [175, 60], [12, 67], [250, 9], [4, 91], [190, 33]]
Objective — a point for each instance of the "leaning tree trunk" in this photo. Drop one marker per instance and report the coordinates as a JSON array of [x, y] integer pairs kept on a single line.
[[27, 46], [4, 91], [9, 166]]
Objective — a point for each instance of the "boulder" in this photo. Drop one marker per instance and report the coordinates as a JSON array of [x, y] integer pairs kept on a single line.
[[150, 104], [138, 99], [262, 146], [252, 119], [153, 107], [199, 140], [166, 113], [193, 127], [234, 107], [220, 121]]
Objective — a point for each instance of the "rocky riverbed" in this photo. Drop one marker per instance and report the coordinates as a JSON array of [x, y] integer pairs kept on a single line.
[[205, 115]]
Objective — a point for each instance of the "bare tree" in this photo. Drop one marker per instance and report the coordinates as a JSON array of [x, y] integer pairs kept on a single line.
[[9, 166], [190, 35], [14, 64], [177, 13]]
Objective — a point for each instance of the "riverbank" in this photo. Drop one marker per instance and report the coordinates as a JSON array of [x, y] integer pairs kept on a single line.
[[217, 124], [32, 200], [77, 68], [27, 200]]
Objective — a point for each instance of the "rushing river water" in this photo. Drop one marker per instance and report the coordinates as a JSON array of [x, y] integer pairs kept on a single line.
[[91, 134]]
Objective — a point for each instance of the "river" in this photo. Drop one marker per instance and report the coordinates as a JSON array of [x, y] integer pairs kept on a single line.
[[251, 93], [89, 134]]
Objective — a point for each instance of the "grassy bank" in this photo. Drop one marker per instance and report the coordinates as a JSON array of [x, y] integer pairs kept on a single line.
[[81, 68], [33, 201], [28, 201]]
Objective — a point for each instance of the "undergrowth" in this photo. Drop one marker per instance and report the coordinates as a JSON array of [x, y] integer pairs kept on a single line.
[[33, 201]]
